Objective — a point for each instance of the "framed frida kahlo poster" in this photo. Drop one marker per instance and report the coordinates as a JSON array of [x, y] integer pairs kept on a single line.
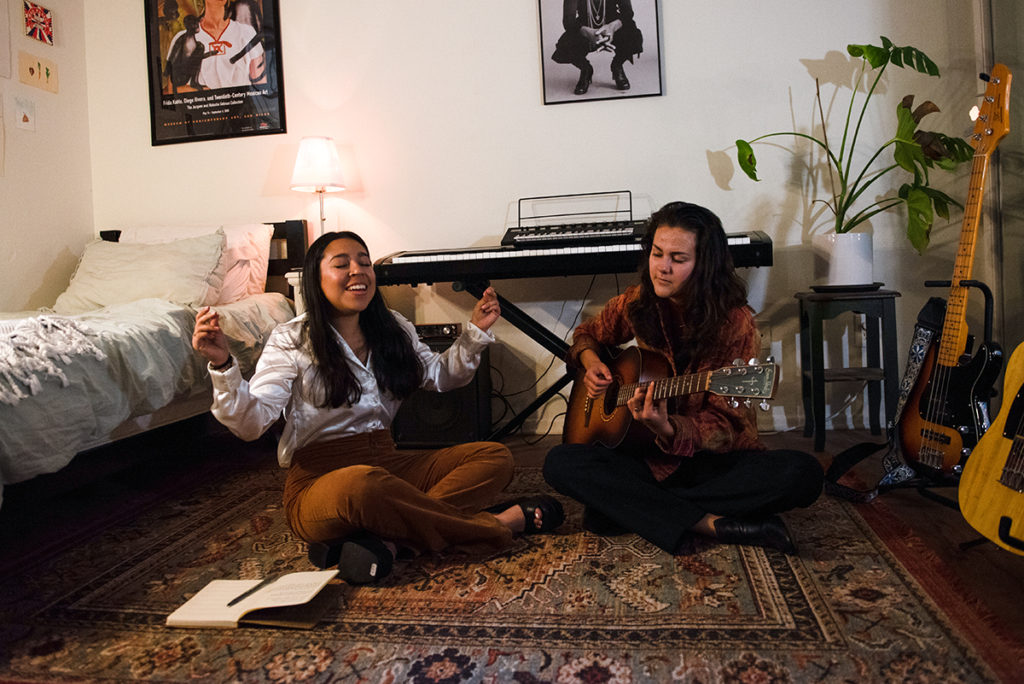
[[214, 69]]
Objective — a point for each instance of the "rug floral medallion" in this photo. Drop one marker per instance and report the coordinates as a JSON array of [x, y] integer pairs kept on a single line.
[[565, 607]]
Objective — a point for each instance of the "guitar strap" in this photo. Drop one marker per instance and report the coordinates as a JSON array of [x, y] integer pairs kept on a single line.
[[896, 472]]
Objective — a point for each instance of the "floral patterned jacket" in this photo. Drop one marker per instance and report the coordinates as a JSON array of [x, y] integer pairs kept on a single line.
[[702, 421]]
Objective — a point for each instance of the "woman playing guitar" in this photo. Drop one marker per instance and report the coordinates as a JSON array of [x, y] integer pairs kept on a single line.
[[704, 469]]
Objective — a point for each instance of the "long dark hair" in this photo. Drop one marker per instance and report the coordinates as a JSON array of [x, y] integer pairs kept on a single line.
[[396, 366], [710, 293]]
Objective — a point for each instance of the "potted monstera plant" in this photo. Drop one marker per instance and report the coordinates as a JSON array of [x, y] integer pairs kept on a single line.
[[911, 152]]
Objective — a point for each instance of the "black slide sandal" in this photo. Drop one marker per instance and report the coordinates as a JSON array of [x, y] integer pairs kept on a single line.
[[361, 558]]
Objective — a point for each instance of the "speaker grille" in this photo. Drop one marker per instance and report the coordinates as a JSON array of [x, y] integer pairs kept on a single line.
[[438, 419]]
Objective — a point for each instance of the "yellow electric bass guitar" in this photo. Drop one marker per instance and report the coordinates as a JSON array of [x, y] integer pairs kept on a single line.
[[991, 489], [606, 419]]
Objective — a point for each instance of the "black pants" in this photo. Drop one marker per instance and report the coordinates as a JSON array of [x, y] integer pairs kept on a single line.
[[741, 484], [573, 48]]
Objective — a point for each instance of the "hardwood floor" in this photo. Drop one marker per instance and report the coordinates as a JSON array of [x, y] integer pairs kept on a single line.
[[33, 511]]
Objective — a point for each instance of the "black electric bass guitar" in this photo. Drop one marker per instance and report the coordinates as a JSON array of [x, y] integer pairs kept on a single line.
[[944, 415], [991, 489], [606, 419]]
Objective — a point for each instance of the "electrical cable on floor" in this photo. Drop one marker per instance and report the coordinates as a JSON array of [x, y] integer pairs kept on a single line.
[[847, 403], [504, 398]]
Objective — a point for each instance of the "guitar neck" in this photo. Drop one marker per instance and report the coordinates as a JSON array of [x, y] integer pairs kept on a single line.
[[954, 327], [668, 387]]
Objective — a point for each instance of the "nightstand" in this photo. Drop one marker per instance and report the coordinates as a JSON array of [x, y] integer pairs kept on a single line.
[[881, 371]]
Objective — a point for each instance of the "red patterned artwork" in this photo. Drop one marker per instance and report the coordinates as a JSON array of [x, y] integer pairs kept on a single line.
[[38, 22]]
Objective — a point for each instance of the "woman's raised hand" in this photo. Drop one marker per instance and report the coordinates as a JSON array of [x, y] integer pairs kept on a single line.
[[487, 310], [208, 339]]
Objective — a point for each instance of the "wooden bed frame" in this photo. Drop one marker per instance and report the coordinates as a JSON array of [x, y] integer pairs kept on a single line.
[[287, 250]]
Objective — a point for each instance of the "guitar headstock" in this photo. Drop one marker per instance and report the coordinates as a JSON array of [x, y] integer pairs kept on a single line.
[[752, 380], [993, 121]]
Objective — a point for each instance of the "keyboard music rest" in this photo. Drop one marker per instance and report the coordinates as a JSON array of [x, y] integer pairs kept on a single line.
[[752, 248]]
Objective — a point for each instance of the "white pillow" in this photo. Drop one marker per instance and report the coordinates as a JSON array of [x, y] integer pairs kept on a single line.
[[245, 259], [183, 271]]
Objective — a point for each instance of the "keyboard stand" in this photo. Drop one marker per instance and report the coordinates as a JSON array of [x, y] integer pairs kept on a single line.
[[535, 331]]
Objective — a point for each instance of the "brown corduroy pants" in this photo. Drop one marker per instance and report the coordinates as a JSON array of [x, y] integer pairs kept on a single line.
[[427, 500]]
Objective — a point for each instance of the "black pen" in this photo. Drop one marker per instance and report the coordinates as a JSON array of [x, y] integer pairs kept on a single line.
[[249, 592]]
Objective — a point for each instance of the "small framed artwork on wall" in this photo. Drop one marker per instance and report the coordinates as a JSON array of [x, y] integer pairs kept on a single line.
[[214, 69], [599, 49], [38, 22]]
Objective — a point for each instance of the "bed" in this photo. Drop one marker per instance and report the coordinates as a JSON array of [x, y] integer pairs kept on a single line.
[[113, 358]]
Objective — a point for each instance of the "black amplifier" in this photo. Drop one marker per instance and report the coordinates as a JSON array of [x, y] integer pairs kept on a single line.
[[439, 330], [430, 420]]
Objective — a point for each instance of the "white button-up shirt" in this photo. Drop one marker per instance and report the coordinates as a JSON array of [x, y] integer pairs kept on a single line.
[[284, 383]]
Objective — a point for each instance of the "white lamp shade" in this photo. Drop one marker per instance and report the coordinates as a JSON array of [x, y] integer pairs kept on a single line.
[[317, 166]]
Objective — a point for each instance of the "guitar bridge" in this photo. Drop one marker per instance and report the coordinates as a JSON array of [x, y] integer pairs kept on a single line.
[[936, 436]]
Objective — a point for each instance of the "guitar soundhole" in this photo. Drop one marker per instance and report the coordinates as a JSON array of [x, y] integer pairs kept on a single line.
[[610, 396]]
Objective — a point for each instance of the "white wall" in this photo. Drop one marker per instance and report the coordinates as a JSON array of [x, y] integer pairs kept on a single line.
[[45, 180], [438, 109]]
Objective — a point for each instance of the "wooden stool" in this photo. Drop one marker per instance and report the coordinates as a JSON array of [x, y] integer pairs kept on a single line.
[[879, 310]]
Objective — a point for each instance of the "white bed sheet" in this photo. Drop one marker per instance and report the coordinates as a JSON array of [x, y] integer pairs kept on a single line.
[[149, 364]]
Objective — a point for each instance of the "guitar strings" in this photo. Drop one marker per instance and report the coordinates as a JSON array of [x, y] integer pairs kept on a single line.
[[942, 375], [666, 387]]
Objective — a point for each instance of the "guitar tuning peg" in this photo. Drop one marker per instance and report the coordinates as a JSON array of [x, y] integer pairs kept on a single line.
[[764, 405], [733, 403], [751, 361], [769, 359], [737, 362], [746, 403], [984, 77]]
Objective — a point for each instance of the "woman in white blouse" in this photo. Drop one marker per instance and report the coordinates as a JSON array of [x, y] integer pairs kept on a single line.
[[338, 373]]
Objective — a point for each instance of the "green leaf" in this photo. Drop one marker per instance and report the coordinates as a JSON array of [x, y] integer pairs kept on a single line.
[[939, 197], [747, 160], [907, 153], [919, 218], [959, 149], [875, 56]]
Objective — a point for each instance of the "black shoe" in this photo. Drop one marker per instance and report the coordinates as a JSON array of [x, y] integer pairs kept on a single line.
[[552, 514], [586, 75], [770, 533], [619, 76], [361, 558]]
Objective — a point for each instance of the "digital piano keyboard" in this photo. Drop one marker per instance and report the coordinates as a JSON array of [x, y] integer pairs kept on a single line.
[[561, 258]]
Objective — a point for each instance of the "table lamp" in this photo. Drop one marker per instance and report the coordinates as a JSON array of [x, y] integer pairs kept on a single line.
[[317, 169]]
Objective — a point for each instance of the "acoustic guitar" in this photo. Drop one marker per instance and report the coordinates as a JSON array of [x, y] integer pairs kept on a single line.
[[606, 420], [946, 413], [991, 489]]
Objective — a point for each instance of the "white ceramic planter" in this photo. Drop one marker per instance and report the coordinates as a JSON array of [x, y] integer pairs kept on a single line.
[[843, 259]]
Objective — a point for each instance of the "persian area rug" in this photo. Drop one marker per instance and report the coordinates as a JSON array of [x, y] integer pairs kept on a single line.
[[566, 607]]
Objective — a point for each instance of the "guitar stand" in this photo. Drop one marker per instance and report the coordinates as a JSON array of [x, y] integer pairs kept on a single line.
[[924, 489], [985, 291]]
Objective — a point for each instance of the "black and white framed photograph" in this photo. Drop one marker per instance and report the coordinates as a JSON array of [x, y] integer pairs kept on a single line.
[[214, 69], [599, 49]]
